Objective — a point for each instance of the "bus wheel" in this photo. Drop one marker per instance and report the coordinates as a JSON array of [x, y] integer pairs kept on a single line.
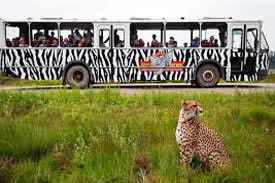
[[78, 76], [208, 76]]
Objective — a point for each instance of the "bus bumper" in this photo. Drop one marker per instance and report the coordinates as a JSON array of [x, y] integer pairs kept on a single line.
[[262, 74]]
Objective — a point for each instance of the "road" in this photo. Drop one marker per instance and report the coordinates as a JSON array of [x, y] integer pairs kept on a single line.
[[132, 89]]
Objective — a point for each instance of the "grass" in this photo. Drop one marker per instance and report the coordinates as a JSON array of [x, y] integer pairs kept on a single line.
[[105, 137], [10, 81]]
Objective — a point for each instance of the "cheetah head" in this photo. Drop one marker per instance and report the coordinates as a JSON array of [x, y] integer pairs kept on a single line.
[[190, 109]]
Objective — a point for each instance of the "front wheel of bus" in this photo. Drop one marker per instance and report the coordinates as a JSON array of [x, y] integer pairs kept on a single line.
[[208, 76], [78, 76]]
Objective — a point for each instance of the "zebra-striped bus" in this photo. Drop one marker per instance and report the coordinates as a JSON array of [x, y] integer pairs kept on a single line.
[[83, 52]]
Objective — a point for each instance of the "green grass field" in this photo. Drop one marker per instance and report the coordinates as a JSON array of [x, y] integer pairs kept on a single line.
[[106, 137]]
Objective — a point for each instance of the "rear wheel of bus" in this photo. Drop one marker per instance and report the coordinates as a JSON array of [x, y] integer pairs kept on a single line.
[[78, 76], [208, 76]]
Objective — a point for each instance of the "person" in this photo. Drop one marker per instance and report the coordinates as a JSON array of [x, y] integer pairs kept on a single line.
[[65, 42], [8, 43], [70, 41], [37, 34], [82, 42], [223, 36], [211, 42], [15, 42], [141, 43], [171, 42], [185, 45], [44, 42], [195, 42], [54, 43], [77, 36], [116, 39], [216, 43], [204, 43], [154, 42], [134, 38], [23, 42]]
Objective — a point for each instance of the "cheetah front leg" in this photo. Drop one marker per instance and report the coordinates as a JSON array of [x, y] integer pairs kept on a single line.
[[186, 155]]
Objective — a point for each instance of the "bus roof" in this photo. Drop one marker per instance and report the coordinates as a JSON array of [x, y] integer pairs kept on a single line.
[[133, 19]]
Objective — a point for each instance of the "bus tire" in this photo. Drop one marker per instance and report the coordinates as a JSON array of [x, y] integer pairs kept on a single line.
[[78, 76], [208, 76]]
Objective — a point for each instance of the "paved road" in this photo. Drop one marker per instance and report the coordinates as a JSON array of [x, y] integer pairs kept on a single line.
[[132, 89]]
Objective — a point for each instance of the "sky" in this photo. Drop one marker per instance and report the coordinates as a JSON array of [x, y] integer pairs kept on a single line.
[[124, 9]]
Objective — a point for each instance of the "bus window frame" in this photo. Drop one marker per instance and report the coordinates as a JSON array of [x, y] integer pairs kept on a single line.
[[182, 47], [226, 35], [162, 35], [76, 47], [47, 47], [5, 34]]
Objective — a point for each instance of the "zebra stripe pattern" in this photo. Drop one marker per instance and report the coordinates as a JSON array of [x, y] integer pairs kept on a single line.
[[117, 65]]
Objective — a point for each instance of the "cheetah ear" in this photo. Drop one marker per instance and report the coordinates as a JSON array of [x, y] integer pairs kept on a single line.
[[184, 103]]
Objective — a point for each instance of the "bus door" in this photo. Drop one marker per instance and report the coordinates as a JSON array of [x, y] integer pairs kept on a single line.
[[237, 48], [104, 41], [252, 37], [121, 61]]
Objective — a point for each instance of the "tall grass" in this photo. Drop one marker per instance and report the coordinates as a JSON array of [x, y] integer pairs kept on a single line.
[[70, 136]]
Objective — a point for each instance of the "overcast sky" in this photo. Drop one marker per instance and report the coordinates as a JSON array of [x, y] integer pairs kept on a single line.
[[123, 9]]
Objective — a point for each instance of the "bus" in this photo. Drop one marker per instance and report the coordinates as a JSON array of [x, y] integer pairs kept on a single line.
[[84, 52]]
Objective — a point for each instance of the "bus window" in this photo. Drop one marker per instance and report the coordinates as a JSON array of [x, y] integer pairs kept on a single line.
[[182, 34], [237, 37], [104, 38], [76, 34], [252, 41], [214, 34], [17, 34], [119, 38], [146, 34], [44, 34]]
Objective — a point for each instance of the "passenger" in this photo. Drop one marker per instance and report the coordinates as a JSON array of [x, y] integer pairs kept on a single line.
[[52, 37], [40, 40], [82, 42], [77, 35], [89, 34], [204, 43], [135, 43], [116, 39], [65, 42], [38, 34], [71, 41], [211, 41], [134, 37], [15, 42], [44, 42], [8, 43], [54, 43], [141, 43], [216, 43], [23, 42], [172, 42], [185, 45], [195, 42], [155, 42]]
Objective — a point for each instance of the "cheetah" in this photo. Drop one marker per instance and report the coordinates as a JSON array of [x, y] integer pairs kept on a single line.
[[196, 139]]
